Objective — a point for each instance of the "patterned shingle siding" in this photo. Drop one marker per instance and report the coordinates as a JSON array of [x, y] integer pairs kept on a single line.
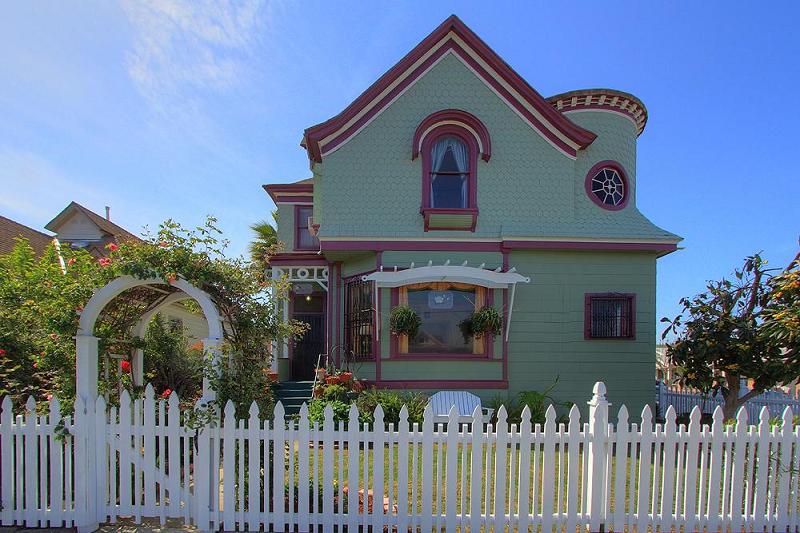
[[370, 186]]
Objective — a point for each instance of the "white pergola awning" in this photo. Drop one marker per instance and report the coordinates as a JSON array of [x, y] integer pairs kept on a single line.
[[492, 279]]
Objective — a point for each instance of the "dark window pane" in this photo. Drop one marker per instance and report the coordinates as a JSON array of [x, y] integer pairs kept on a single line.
[[449, 191], [611, 318], [304, 238], [441, 312]]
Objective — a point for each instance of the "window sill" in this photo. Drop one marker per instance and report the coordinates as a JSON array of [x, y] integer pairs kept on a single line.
[[452, 219], [443, 357]]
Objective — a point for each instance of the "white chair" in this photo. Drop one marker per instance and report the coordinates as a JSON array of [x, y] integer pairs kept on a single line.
[[465, 403]]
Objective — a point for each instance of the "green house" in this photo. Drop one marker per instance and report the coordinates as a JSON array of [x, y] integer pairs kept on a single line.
[[451, 185]]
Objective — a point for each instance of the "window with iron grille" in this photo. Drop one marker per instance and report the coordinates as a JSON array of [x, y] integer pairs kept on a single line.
[[359, 320], [610, 316]]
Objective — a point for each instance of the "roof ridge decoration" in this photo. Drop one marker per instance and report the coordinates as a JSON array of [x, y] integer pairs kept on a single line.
[[609, 100], [452, 36]]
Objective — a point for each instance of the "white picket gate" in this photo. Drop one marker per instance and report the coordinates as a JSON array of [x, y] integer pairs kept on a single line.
[[296, 476]]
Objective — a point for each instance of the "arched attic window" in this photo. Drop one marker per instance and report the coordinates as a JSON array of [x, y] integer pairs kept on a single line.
[[450, 142]]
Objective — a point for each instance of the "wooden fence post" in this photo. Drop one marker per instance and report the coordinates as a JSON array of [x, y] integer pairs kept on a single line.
[[85, 441], [598, 455]]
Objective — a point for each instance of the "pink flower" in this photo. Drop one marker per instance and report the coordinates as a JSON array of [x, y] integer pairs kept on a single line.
[[112, 246], [171, 278], [125, 366], [104, 261], [2, 352], [35, 364], [166, 393], [49, 397], [71, 261]]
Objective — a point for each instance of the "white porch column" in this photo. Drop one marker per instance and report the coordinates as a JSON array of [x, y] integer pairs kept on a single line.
[[85, 440]]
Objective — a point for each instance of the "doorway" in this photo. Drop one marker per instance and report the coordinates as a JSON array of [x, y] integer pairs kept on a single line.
[[310, 309]]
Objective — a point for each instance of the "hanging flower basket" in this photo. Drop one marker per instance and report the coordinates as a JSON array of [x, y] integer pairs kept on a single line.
[[485, 321], [404, 321]]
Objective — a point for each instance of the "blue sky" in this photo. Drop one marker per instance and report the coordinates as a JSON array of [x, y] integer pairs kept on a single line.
[[178, 109]]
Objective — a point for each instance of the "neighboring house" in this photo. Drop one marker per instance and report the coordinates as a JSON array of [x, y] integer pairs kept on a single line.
[[11, 231], [665, 370], [450, 184], [79, 227]]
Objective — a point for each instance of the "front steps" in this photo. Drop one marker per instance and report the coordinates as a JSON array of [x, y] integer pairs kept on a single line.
[[292, 394]]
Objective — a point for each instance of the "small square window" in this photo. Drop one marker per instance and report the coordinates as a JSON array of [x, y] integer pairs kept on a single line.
[[610, 316]]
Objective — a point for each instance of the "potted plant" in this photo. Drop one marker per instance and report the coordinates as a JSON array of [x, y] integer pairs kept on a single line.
[[320, 372], [404, 321], [485, 321]]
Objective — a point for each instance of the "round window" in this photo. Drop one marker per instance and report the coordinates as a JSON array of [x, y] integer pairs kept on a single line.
[[607, 187]]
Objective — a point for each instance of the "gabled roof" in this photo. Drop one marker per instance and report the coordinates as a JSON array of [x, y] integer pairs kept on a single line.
[[298, 192], [10, 230], [452, 36], [105, 225]]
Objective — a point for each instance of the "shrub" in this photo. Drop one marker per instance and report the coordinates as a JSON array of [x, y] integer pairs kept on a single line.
[[391, 402], [537, 402]]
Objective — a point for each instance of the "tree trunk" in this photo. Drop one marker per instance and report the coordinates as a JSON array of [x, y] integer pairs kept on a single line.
[[732, 400]]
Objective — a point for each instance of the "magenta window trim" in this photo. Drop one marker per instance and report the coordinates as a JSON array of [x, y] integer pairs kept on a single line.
[[630, 325], [298, 227], [613, 165]]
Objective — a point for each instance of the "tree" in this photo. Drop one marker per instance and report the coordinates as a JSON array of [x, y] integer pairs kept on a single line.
[[736, 330], [265, 243]]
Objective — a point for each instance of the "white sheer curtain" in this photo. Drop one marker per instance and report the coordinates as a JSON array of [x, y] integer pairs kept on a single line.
[[461, 156]]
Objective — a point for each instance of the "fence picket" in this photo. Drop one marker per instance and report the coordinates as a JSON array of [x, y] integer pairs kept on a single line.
[[279, 467], [643, 482], [762, 471], [252, 517], [511, 477]]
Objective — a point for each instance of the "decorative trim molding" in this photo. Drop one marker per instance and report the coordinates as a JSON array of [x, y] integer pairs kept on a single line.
[[458, 118], [282, 193], [608, 100], [452, 36], [491, 246], [442, 383]]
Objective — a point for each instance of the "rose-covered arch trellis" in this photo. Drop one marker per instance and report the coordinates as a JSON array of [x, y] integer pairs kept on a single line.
[[87, 344]]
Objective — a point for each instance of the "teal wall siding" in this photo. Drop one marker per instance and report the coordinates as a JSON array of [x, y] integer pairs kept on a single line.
[[546, 339], [547, 330], [285, 226], [371, 187]]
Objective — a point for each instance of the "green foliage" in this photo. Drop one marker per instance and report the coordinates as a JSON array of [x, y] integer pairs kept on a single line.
[[316, 410], [39, 311], [169, 362], [738, 329], [404, 321], [40, 306], [485, 321], [537, 402], [265, 244], [391, 402]]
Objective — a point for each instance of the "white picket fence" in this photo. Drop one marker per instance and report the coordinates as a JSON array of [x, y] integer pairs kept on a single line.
[[684, 400], [141, 461]]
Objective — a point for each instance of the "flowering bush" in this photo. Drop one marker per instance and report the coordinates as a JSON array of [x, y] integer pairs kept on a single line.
[[40, 305]]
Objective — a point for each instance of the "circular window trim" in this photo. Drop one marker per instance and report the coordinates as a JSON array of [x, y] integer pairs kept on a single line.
[[613, 165]]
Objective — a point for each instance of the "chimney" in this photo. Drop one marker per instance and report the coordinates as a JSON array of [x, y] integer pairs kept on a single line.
[[108, 213]]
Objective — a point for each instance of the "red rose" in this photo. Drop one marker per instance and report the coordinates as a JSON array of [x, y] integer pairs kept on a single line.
[[166, 393], [71, 261], [171, 278], [125, 366], [2, 352], [104, 261], [112, 246]]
